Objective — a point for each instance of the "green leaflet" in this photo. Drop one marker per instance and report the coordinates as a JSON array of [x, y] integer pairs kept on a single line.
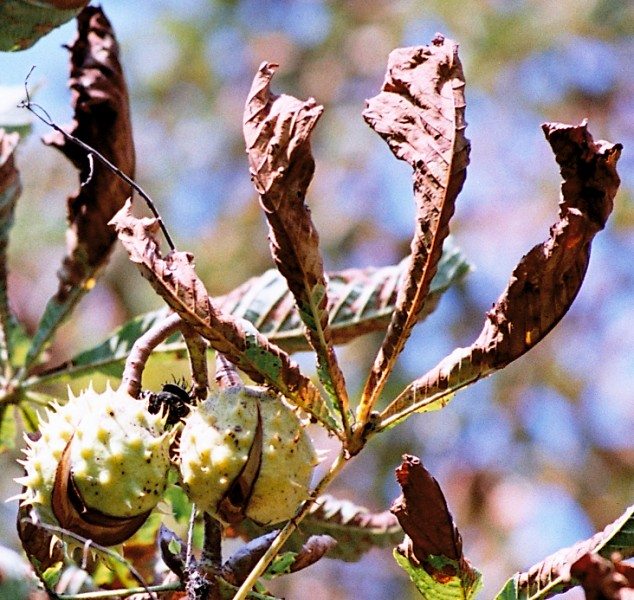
[[24, 23], [281, 565], [549, 577], [265, 362], [464, 585], [54, 315], [355, 529], [362, 302]]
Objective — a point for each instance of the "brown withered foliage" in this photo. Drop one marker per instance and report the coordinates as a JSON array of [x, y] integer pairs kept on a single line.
[[547, 279], [101, 120], [277, 132], [173, 277], [420, 114], [604, 579]]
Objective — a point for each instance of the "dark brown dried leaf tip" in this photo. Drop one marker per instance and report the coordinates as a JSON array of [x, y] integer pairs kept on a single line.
[[423, 514], [101, 120]]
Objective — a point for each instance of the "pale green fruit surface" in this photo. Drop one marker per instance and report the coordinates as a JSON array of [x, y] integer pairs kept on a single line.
[[119, 455], [214, 445], [288, 460]]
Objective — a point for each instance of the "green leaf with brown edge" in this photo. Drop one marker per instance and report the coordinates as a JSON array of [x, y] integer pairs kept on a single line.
[[10, 190], [545, 282], [173, 277], [277, 132], [355, 529], [420, 114], [362, 302], [552, 575], [101, 120], [24, 23], [431, 552]]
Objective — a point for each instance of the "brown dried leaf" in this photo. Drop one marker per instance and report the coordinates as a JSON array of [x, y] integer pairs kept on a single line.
[[175, 280], [604, 579], [238, 566], [277, 132], [420, 113], [544, 283], [552, 575], [314, 549], [102, 120], [37, 542], [423, 513]]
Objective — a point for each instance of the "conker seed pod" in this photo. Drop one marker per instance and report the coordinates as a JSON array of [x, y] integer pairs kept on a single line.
[[99, 466], [244, 453]]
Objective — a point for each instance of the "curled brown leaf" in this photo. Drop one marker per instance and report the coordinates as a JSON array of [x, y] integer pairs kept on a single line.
[[313, 550], [420, 114], [277, 131], [423, 513], [544, 283], [101, 120], [604, 579]]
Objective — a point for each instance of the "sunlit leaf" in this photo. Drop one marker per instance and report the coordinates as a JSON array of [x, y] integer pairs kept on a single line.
[[440, 586], [174, 278], [362, 302]]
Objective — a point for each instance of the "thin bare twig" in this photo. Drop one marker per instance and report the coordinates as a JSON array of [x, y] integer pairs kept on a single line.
[[45, 118], [141, 350], [189, 556], [122, 593]]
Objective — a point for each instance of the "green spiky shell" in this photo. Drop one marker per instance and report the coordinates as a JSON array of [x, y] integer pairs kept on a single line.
[[215, 444], [118, 452], [288, 460]]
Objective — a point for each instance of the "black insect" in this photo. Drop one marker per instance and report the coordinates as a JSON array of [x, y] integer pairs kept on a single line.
[[174, 399]]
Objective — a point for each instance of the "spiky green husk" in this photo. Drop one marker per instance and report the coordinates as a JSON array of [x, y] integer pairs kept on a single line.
[[215, 444], [119, 455], [288, 460]]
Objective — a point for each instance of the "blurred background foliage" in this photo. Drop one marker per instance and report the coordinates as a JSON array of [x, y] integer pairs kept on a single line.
[[532, 459]]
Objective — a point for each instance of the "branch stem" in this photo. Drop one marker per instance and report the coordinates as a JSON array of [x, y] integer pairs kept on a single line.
[[141, 351], [290, 527]]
